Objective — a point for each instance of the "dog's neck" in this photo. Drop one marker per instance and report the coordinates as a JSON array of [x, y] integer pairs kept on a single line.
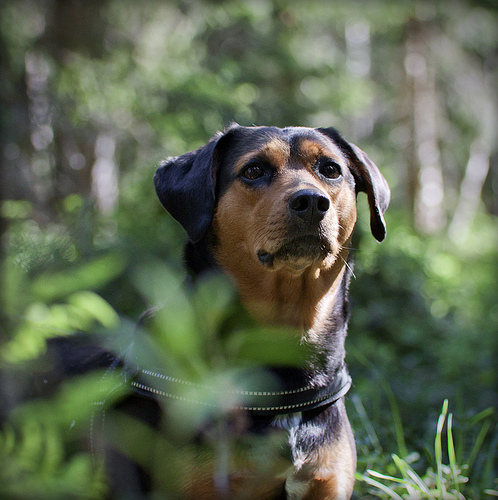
[[303, 300], [312, 301]]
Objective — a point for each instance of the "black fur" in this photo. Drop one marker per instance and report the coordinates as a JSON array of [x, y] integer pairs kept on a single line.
[[236, 142], [189, 186]]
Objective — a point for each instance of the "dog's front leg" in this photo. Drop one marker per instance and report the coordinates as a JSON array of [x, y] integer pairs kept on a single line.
[[327, 473]]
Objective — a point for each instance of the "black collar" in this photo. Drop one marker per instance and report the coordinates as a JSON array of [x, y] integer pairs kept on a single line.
[[255, 396]]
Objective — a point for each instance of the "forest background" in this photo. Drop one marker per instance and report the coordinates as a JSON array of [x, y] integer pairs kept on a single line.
[[95, 93]]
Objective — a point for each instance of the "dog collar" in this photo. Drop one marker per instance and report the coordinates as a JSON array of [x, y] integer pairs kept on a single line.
[[154, 384]]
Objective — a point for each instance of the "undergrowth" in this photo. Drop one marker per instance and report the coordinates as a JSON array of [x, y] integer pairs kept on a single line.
[[444, 472]]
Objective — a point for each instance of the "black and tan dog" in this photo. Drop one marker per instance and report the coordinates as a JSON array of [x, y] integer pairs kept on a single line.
[[275, 209]]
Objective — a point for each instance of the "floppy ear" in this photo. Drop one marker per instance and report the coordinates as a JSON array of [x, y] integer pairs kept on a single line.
[[368, 179], [185, 186], [371, 181]]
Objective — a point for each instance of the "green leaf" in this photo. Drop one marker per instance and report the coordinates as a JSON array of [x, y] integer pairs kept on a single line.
[[272, 346], [95, 307], [89, 276]]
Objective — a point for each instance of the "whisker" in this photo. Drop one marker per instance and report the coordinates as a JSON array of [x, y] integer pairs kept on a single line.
[[346, 263]]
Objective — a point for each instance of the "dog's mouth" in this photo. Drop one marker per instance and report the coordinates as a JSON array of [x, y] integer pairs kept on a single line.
[[297, 253]]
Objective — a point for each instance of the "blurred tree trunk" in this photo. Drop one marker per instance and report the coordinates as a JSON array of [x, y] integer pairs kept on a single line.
[[39, 147], [105, 174], [4, 106], [16, 182], [425, 178], [73, 26], [40, 108], [470, 191], [358, 52]]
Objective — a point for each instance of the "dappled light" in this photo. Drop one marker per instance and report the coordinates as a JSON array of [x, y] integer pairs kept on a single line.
[[96, 94]]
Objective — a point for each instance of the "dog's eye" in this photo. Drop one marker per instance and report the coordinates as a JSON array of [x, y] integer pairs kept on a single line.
[[253, 172], [330, 170]]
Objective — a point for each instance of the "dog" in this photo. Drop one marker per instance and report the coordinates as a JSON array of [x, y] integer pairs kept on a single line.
[[274, 209]]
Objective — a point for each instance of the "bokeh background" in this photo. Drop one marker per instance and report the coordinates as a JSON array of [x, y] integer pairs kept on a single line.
[[95, 93]]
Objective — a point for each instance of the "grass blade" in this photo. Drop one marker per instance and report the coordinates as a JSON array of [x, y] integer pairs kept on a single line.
[[367, 424], [382, 487], [396, 415], [413, 480], [488, 469], [478, 443], [452, 454], [378, 475], [438, 448], [398, 425]]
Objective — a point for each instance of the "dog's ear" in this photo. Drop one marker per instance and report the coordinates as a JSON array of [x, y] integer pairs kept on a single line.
[[368, 179], [371, 181], [185, 186]]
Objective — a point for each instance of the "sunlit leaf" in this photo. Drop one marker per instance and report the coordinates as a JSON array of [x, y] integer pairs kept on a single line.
[[96, 308], [91, 275]]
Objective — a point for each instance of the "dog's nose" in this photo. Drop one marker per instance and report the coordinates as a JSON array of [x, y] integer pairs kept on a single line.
[[310, 205]]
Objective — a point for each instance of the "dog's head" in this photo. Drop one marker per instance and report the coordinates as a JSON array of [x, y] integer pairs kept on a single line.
[[282, 198]]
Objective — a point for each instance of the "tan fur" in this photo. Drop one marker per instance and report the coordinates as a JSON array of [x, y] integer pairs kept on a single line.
[[328, 474], [275, 151], [246, 220], [296, 292], [333, 466]]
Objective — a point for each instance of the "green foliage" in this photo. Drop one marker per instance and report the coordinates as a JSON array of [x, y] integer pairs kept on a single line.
[[160, 78], [183, 339], [194, 329], [426, 308], [428, 285], [54, 304], [35, 446], [438, 481], [39, 441], [50, 286]]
